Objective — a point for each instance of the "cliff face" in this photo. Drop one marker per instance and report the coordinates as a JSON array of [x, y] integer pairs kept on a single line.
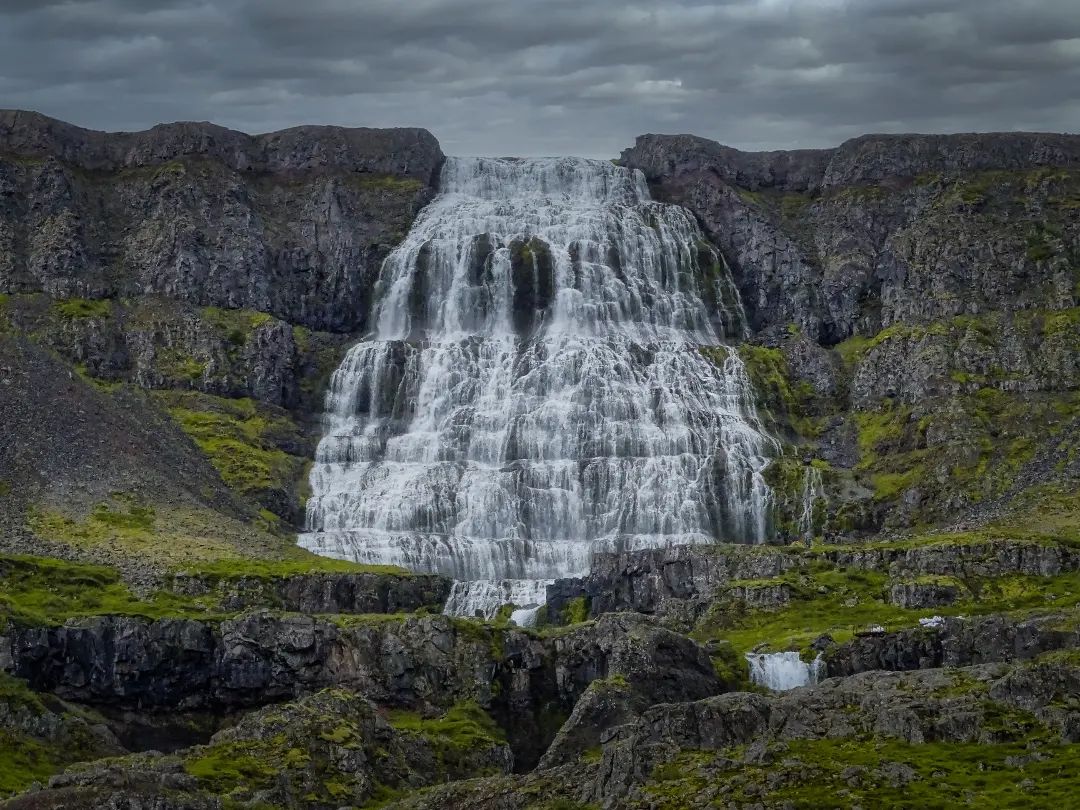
[[293, 223], [224, 272], [883, 229], [913, 303]]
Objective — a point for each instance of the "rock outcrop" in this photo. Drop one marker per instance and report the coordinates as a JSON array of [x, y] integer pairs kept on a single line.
[[882, 229], [293, 223], [745, 746], [529, 684], [680, 583], [953, 642]]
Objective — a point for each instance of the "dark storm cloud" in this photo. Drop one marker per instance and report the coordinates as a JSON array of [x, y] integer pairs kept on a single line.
[[552, 76]]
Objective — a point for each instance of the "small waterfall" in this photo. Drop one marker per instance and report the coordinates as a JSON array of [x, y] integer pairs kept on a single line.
[[784, 670], [812, 491], [534, 389], [484, 597]]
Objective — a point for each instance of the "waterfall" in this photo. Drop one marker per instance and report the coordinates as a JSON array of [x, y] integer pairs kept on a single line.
[[784, 670], [812, 491], [534, 389]]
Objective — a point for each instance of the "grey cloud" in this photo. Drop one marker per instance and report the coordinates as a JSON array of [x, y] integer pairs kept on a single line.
[[551, 76]]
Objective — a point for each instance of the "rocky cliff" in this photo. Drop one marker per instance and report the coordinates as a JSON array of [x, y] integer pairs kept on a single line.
[[224, 272], [913, 303]]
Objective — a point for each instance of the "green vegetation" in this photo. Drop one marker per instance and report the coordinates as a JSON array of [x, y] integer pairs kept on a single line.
[[28, 754], [169, 536], [1001, 432], [235, 325], [731, 667], [242, 439], [178, 366], [73, 308], [576, 611], [303, 752], [456, 735], [840, 602], [279, 569], [833, 773], [223, 768], [46, 591], [791, 406]]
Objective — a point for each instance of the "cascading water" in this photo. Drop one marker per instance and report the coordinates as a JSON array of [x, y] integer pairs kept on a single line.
[[784, 670], [535, 391]]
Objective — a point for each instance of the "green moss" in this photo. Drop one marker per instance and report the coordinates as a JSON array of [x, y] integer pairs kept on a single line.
[[241, 439], [46, 591], [223, 767], [176, 365], [456, 735], [576, 610], [39, 735], [235, 325], [731, 667], [280, 569], [812, 774], [789, 405], [24, 761], [893, 455], [841, 602], [75, 308], [755, 198]]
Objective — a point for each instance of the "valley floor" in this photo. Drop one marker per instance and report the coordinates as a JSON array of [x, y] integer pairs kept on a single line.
[[309, 683]]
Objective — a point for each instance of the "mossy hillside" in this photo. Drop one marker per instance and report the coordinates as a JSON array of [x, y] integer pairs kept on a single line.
[[840, 602], [968, 449], [386, 183], [282, 569], [319, 752], [40, 735], [25, 759], [235, 326], [46, 591], [791, 407], [455, 736], [1028, 330], [786, 476], [164, 536], [813, 774], [73, 308], [172, 539], [576, 611], [248, 443]]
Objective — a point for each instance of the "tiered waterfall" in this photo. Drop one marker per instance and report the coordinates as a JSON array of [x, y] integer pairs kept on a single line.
[[538, 386]]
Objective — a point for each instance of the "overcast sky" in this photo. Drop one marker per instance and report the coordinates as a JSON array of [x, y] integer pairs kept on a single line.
[[532, 77]]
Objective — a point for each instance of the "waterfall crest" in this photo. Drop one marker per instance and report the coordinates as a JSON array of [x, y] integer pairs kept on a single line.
[[534, 389]]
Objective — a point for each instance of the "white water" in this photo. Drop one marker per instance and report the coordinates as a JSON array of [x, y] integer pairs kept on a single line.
[[516, 410], [783, 671], [484, 597]]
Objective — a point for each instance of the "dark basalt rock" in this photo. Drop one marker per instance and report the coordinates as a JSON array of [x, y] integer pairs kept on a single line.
[[953, 642], [845, 241], [404, 152], [529, 685], [293, 223]]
